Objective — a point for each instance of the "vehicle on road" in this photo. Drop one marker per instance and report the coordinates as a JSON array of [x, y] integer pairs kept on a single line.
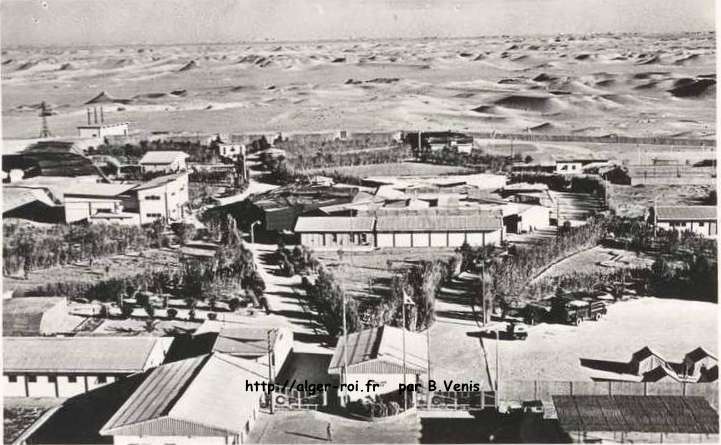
[[573, 311]]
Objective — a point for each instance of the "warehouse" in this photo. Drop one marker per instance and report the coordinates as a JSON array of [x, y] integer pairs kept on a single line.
[[634, 419], [67, 366], [333, 232], [436, 229], [700, 220]]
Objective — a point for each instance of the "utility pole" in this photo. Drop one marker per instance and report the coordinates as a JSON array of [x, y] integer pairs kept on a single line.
[[345, 354], [497, 361], [428, 347], [403, 327], [270, 371]]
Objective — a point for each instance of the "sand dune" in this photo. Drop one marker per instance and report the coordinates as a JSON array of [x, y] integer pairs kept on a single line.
[[571, 83]]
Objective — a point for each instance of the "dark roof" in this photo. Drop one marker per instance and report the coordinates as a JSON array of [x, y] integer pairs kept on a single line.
[[379, 351], [77, 354], [686, 213], [650, 414], [482, 221], [16, 197], [642, 353], [201, 396], [698, 354], [24, 316], [57, 158]]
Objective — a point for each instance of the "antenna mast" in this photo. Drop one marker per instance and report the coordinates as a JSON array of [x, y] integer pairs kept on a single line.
[[44, 113]]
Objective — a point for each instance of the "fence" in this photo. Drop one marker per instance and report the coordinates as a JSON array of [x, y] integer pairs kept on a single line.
[[517, 391], [597, 139]]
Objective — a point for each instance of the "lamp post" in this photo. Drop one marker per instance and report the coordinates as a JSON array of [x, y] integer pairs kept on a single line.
[[252, 231]]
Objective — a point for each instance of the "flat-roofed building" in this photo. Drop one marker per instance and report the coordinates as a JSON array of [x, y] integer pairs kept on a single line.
[[67, 366], [700, 220], [201, 400], [333, 232], [101, 131]]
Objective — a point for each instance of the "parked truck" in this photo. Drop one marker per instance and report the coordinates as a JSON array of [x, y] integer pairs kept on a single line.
[[572, 311]]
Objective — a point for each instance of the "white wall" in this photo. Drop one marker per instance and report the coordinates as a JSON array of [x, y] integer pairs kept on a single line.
[[43, 387], [403, 239], [79, 208], [389, 383], [569, 167], [536, 217], [66, 388], [439, 239], [174, 440], [703, 228], [385, 240], [14, 389], [173, 196], [456, 239], [421, 239], [474, 238]]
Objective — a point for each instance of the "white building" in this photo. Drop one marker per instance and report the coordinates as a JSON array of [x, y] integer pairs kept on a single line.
[[248, 342], [575, 166], [162, 197], [68, 366], [439, 229], [102, 130], [376, 355], [231, 151], [521, 218], [164, 161], [700, 220], [200, 401], [333, 232]]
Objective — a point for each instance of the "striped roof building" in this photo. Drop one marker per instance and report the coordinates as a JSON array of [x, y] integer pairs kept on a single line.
[[380, 351], [198, 397]]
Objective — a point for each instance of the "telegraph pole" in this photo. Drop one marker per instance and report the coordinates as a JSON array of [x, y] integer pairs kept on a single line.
[[270, 371], [403, 327], [345, 354]]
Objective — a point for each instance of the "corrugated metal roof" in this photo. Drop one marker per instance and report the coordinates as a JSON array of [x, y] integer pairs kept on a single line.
[[649, 414], [159, 181], [77, 354], [246, 341], [380, 348], [482, 221], [334, 224], [14, 197], [23, 316], [686, 213], [162, 157], [203, 396]]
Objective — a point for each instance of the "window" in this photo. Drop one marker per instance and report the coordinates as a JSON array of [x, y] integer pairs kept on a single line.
[[152, 198], [72, 379], [102, 379], [32, 378], [364, 238], [12, 378], [334, 237], [153, 215], [52, 379], [683, 224], [700, 224]]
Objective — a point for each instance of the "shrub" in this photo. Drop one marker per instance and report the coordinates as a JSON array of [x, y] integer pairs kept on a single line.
[[172, 313], [212, 316]]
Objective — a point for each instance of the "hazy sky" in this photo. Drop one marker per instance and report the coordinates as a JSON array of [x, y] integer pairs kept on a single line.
[[82, 22]]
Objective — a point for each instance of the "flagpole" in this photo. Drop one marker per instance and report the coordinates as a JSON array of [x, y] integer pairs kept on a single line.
[[345, 355], [403, 327]]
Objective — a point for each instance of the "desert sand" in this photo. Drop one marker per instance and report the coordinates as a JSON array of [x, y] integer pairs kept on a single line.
[[589, 85]]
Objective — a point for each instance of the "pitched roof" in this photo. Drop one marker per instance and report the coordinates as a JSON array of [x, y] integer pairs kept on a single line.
[[698, 354], [334, 224], [159, 181], [162, 157], [24, 316], [380, 350], [77, 354], [15, 197], [650, 414], [481, 221], [686, 213], [246, 341], [201, 396]]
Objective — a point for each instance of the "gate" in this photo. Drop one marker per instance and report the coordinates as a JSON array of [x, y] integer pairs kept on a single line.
[[452, 400]]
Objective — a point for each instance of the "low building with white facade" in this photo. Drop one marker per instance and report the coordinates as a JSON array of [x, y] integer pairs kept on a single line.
[[231, 151], [700, 220], [101, 131], [376, 355], [334, 232], [575, 166], [199, 401], [68, 366], [164, 161], [426, 229]]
